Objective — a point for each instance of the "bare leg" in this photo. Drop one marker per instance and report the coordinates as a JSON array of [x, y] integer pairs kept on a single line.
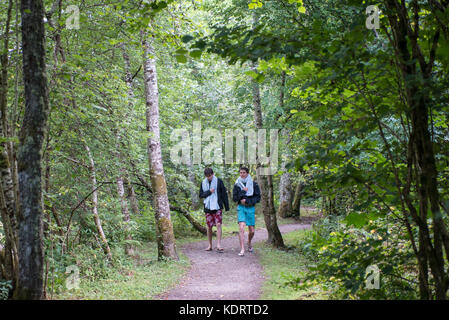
[[251, 231], [209, 237], [218, 235], [242, 236]]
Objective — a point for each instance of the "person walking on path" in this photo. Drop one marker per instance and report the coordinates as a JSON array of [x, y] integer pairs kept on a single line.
[[246, 194], [216, 198]]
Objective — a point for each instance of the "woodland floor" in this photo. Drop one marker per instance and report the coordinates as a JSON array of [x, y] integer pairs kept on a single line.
[[224, 276]]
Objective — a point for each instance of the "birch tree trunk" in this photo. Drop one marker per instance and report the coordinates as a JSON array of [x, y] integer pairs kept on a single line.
[[129, 250], [164, 227], [93, 182], [31, 253], [193, 192], [129, 82], [265, 182], [120, 138]]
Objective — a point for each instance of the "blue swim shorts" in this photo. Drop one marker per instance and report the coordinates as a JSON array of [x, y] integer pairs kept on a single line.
[[246, 214]]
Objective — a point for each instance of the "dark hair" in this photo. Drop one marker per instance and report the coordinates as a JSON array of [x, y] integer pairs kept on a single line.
[[208, 172], [244, 168]]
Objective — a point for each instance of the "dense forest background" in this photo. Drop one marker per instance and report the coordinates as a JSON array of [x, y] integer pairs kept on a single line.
[[86, 134]]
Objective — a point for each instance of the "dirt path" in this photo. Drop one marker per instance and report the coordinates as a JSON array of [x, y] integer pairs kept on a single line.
[[223, 276]]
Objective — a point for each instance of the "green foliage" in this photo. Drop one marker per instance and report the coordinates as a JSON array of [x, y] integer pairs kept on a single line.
[[341, 254], [281, 266], [344, 106], [5, 287], [142, 277]]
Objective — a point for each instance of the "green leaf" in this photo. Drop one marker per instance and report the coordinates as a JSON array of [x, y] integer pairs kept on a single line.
[[181, 58], [186, 38], [348, 93], [195, 53], [181, 51], [313, 130], [252, 74]]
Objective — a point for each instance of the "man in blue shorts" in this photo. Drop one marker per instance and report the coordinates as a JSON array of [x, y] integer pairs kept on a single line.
[[246, 194]]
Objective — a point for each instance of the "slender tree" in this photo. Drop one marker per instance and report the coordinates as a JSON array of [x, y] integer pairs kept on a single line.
[[265, 181], [285, 185], [164, 227], [9, 260], [93, 182]]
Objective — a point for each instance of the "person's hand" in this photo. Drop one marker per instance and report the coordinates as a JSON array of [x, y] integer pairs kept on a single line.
[[246, 189], [243, 201], [212, 190]]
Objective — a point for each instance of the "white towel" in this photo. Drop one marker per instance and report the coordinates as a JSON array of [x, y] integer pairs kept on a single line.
[[211, 202], [248, 182]]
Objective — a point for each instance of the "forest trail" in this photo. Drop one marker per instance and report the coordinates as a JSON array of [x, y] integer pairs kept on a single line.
[[224, 276]]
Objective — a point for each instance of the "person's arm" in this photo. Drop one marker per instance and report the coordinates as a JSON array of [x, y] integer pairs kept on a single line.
[[236, 194], [255, 198], [204, 194], [256, 193], [225, 196]]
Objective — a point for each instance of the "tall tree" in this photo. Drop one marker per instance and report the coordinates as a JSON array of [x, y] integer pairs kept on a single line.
[[33, 130], [119, 152], [93, 182], [9, 260], [265, 181], [285, 185], [164, 227], [416, 66]]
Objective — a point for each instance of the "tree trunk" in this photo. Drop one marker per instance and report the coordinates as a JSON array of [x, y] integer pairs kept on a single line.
[[164, 227], [129, 250], [129, 82], [411, 61], [265, 181], [93, 182], [296, 207], [285, 196], [193, 192], [285, 185], [132, 197], [10, 261], [31, 253], [120, 145], [8, 198]]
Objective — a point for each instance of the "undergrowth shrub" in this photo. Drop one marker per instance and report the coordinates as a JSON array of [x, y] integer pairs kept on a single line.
[[340, 254]]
